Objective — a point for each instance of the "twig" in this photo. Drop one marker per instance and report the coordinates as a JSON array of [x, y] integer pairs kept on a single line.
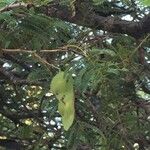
[[43, 61], [61, 49], [136, 49], [13, 6]]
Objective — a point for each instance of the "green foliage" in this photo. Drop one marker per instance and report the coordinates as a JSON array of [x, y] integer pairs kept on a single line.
[[37, 2], [32, 31], [98, 2], [101, 99], [3, 3], [38, 74], [146, 2]]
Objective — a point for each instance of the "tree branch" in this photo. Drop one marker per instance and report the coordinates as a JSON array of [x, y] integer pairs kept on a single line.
[[13, 6], [90, 19]]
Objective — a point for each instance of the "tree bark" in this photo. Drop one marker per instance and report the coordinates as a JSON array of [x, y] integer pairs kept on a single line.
[[92, 20]]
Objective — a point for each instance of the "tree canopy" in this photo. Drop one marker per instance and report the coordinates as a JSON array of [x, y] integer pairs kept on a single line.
[[75, 74]]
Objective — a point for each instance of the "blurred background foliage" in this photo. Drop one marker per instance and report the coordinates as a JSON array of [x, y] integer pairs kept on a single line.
[[111, 76]]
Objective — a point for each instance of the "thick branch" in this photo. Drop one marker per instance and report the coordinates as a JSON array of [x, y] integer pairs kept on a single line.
[[89, 19], [92, 20]]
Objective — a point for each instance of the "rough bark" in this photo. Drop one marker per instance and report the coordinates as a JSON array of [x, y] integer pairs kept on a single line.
[[92, 20], [85, 16]]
